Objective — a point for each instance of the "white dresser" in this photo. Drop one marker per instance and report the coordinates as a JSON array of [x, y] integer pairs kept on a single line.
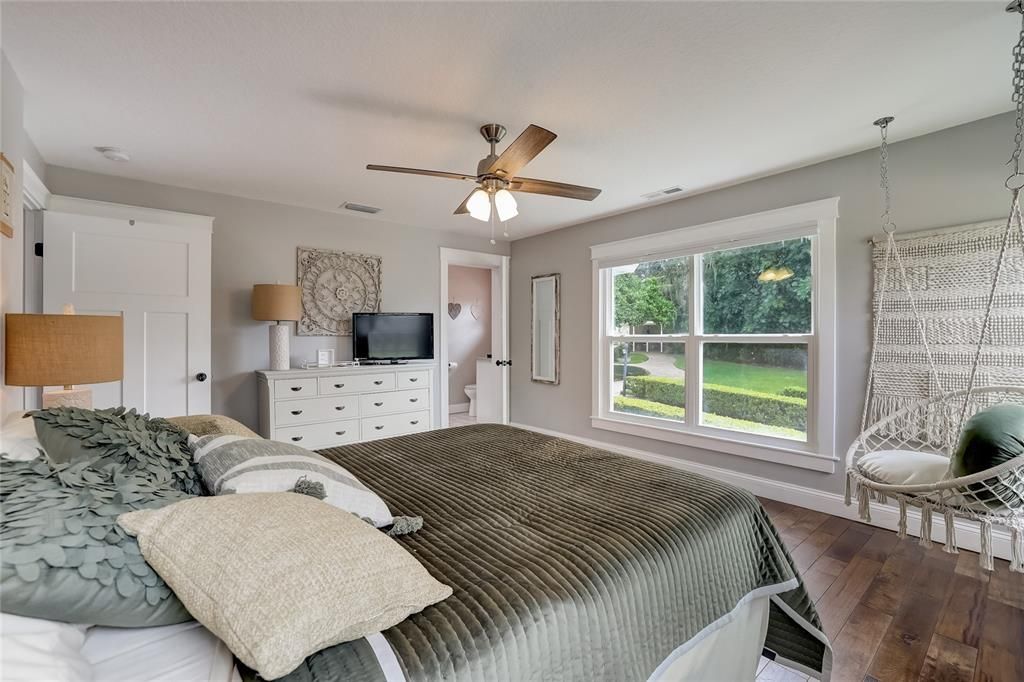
[[320, 408]]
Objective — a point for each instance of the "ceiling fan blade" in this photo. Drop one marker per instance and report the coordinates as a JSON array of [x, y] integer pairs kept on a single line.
[[555, 189], [528, 145], [420, 171], [462, 207]]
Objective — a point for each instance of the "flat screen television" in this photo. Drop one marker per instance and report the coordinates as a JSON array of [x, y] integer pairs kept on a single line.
[[393, 336]]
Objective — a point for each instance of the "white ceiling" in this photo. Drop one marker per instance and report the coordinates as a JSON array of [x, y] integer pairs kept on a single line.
[[288, 102]]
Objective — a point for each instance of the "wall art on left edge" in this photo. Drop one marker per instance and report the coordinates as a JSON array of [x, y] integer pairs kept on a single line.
[[334, 285]]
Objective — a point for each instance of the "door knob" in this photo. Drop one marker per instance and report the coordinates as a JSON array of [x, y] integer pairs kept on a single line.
[[201, 376]]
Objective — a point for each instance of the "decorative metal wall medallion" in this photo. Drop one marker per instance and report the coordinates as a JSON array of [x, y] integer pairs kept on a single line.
[[334, 285]]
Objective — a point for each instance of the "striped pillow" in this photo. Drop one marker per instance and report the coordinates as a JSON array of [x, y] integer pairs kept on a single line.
[[235, 464]]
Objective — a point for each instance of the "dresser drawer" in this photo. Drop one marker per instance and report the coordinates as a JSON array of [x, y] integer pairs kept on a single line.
[[396, 401], [357, 383], [323, 435], [328, 408], [395, 424], [413, 379], [295, 388]]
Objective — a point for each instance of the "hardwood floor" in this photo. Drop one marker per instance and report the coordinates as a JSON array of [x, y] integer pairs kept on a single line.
[[895, 611]]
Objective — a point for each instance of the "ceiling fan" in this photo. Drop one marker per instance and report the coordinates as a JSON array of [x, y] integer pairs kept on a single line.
[[497, 175]]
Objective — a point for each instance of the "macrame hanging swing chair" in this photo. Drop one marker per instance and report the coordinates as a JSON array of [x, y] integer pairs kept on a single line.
[[933, 426]]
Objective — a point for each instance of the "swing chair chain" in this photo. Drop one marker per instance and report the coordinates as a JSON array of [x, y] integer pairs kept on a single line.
[[1015, 181], [888, 226]]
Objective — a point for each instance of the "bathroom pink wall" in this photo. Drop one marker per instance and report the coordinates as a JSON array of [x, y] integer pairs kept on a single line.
[[468, 338]]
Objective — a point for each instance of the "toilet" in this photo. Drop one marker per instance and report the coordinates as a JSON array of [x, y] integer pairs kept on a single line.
[[471, 394]]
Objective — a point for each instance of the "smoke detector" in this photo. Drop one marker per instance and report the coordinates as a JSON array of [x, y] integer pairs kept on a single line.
[[359, 208], [113, 153], [667, 192]]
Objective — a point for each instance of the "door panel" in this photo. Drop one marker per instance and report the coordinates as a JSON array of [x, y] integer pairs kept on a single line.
[[157, 277]]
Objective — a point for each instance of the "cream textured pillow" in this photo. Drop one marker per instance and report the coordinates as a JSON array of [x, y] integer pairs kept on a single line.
[[280, 576]]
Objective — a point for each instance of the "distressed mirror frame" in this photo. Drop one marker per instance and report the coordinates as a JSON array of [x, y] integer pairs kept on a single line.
[[556, 278]]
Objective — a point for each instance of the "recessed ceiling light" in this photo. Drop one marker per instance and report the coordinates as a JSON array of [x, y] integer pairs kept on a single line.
[[113, 153]]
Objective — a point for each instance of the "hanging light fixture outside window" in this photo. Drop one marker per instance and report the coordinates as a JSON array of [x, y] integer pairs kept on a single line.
[[775, 274], [479, 205]]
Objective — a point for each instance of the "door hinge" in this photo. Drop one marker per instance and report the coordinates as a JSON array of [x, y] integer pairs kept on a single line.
[[39, 249]]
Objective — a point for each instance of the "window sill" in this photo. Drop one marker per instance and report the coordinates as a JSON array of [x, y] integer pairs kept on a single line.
[[705, 440]]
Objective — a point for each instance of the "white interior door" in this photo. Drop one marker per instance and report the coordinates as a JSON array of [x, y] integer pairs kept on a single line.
[[492, 379], [153, 270]]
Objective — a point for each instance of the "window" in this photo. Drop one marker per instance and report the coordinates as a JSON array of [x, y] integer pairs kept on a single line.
[[722, 335]]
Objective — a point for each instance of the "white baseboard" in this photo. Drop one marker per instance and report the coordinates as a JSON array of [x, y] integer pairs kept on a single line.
[[968, 535], [458, 407]]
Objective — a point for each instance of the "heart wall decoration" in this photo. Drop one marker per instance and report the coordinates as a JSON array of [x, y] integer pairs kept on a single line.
[[454, 310]]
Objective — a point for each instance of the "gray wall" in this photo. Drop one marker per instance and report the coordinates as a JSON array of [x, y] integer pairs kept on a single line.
[[947, 178], [255, 241]]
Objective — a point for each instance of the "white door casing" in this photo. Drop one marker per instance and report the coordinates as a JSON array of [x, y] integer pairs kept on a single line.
[[152, 268]]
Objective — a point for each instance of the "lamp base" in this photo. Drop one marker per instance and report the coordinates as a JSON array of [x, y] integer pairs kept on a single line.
[[280, 355], [68, 397]]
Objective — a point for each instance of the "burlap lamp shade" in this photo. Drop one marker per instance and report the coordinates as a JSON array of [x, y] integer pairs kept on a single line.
[[63, 350]]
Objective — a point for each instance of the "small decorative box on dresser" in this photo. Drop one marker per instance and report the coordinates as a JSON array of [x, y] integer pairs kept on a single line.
[[321, 408]]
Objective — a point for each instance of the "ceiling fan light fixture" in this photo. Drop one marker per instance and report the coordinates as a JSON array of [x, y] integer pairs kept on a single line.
[[479, 205], [505, 204]]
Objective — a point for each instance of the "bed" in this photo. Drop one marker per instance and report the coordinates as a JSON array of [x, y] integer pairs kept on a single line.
[[573, 563]]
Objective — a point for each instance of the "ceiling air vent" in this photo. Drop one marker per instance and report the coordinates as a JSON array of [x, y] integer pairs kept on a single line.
[[668, 191], [361, 208]]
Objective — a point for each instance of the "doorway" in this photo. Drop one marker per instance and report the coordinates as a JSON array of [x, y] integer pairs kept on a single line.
[[473, 338]]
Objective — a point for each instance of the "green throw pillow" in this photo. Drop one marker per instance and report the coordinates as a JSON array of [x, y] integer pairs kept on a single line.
[[990, 438], [64, 557], [117, 436]]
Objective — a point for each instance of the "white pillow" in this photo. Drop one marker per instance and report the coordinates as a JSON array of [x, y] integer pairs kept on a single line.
[[234, 464], [18, 438], [36, 649], [903, 467]]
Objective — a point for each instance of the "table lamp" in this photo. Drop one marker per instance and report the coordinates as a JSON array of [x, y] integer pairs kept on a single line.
[[63, 350], [277, 303]]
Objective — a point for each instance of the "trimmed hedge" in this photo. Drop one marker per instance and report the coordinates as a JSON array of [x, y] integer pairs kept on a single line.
[[763, 408], [647, 408], [726, 401], [634, 371], [665, 390], [794, 392]]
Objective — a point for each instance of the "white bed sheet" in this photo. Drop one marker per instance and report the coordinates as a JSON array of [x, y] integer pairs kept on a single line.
[[187, 652]]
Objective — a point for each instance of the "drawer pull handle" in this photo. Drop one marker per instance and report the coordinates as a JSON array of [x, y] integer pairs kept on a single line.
[[414, 400], [378, 427], [413, 380], [340, 433], [296, 412], [378, 382], [296, 438], [339, 385], [339, 407], [414, 422], [377, 404], [296, 388]]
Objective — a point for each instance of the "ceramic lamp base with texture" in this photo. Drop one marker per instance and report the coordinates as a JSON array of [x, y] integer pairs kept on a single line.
[[68, 397], [280, 355]]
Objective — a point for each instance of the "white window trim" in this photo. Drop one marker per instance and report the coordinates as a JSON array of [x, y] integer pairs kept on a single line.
[[817, 219]]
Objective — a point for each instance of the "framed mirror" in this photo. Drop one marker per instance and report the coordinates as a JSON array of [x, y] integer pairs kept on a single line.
[[545, 328]]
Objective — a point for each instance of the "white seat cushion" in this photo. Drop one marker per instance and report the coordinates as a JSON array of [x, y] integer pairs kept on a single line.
[[903, 467]]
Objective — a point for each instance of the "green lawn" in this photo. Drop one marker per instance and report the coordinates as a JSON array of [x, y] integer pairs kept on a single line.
[[637, 358], [750, 377]]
